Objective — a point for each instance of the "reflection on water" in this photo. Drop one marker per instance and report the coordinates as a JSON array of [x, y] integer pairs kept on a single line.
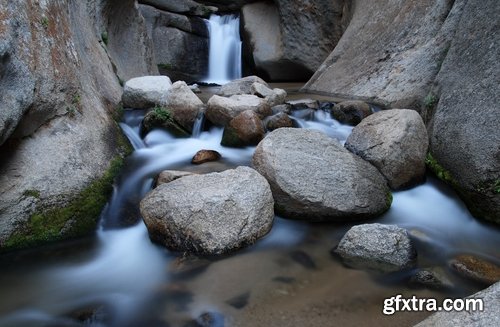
[[289, 276]]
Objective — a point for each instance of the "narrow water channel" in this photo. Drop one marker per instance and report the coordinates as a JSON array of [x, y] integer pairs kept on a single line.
[[119, 278]]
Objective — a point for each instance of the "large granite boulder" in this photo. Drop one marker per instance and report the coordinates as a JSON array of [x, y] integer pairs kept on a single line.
[[60, 67], [314, 177], [395, 141], [240, 86], [183, 104], [464, 127], [283, 45], [221, 110], [210, 214], [383, 248], [146, 92], [180, 43]]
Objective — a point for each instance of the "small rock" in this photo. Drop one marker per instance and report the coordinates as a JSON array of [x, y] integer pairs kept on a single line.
[[396, 142], [146, 92], [303, 104], [475, 268], [245, 129], [433, 278], [195, 88], [278, 121], [260, 90], [207, 319], [221, 110], [351, 112], [240, 301], [383, 248], [168, 176], [277, 98], [203, 156], [240, 86]]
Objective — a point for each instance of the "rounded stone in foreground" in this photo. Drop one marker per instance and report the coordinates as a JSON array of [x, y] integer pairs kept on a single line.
[[313, 177], [382, 248], [146, 92], [210, 214], [395, 141]]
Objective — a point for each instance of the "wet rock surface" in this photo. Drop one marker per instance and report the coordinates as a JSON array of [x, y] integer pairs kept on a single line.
[[243, 130], [476, 269], [204, 156], [383, 248]]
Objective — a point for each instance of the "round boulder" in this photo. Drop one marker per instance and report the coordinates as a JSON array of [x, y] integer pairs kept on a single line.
[[313, 177], [245, 129], [210, 214], [183, 104], [240, 86], [351, 112], [377, 247], [221, 110], [146, 92], [395, 141], [279, 120]]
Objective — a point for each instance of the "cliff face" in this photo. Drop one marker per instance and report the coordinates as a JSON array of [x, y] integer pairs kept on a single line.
[[61, 62], [440, 58]]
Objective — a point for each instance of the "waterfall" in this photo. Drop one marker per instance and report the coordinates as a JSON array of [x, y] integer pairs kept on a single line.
[[225, 49]]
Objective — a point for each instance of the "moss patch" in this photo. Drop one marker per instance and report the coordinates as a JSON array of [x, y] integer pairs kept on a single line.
[[161, 117], [439, 171], [77, 219], [32, 193], [388, 199]]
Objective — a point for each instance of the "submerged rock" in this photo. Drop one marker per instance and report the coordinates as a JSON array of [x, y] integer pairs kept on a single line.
[[207, 319], [314, 178], [434, 278], [204, 156], [240, 86], [396, 142], [383, 248], [221, 110], [303, 104], [475, 268], [146, 92], [351, 112], [183, 104], [210, 214]]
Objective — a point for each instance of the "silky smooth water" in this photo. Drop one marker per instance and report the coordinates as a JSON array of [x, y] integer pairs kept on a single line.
[[125, 280], [225, 49]]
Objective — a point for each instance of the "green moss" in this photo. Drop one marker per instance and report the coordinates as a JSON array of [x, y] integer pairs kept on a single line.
[[489, 187], [105, 38], [439, 171], [388, 199], [32, 193], [44, 22], [161, 117], [78, 218], [430, 101], [165, 66], [230, 138]]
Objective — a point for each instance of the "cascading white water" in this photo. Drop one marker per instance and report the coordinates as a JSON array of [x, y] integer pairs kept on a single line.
[[225, 49]]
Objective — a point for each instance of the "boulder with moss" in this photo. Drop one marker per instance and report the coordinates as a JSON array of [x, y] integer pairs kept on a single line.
[[161, 117]]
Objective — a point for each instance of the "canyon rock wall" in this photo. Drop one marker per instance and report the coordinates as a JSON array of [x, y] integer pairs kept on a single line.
[[61, 62]]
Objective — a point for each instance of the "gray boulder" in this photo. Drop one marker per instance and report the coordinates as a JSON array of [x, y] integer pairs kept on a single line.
[[146, 92], [489, 316], [180, 6], [210, 214], [260, 90], [382, 248], [313, 177], [395, 141], [277, 98], [240, 86], [279, 120], [220, 110], [183, 104], [281, 41]]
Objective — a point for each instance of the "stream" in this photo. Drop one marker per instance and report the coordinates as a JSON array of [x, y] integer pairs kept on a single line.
[[119, 278]]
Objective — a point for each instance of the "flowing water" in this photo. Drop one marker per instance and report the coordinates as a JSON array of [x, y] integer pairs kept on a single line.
[[225, 49], [119, 278]]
